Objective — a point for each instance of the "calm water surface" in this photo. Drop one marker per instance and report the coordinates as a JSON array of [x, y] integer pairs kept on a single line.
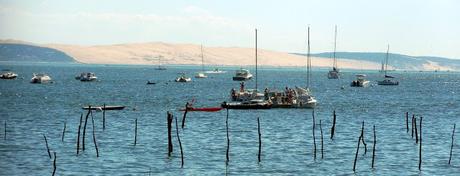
[[34, 110]]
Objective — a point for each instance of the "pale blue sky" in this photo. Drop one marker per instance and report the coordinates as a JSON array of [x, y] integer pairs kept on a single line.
[[414, 27]]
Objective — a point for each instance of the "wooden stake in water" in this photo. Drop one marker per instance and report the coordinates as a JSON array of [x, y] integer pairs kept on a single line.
[[170, 145], [333, 126], [407, 122], [63, 131], [362, 139], [84, 128], [314, 140], [452, 145], [260, 138], [373, 147], [180, 145], [415, 129], [78, 137], [412, 126], [54, 164], [94, 136], [103, 118], [47, 147], [228, 141], [135, 133], [321, 129], [185, 114], [420, 149], [357, 150], [4, 136]]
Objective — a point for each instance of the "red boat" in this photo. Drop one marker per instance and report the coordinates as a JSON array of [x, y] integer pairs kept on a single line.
[[210, 109]]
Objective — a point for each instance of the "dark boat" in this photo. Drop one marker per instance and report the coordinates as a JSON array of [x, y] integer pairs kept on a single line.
[[209, 109], [151, 82], [247, 105], [104, 107]]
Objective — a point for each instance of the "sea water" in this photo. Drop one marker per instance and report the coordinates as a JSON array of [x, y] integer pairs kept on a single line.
[[33, 110]]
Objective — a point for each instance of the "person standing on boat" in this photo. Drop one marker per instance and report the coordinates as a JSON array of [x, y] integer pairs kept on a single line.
[[266, 93], [233, 93], [242, 87]]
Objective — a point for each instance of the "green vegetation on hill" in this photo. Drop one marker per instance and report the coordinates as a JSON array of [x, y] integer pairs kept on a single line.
[[30, 53]]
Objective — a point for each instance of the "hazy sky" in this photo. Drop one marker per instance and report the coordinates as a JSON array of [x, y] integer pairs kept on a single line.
[[414, 27]]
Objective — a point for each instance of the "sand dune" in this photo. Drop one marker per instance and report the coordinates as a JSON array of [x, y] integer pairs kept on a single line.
[[148, 53]]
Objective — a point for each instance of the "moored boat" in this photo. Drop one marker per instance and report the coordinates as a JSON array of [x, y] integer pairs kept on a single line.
[[360, 81], [40, 78], [388, 80], [86, 77], [183, 78], [251, 104], [242, 75], [8, 75]]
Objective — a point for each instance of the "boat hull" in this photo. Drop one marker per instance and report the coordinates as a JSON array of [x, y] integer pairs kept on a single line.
[[246, 105], [212, 109], [236, 78]]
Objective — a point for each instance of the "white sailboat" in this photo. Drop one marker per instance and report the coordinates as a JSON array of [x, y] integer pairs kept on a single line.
[[303, 96], [160, 67], [387, 81], [334, 73], [201, 74]]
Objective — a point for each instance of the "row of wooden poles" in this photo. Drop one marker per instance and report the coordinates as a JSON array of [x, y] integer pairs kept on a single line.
[[415, 132]]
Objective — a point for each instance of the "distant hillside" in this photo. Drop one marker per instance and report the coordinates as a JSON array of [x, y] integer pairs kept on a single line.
[[399, 61], [30, 53]]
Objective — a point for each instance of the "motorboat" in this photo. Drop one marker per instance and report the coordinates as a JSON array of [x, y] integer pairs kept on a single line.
[[388, 80], [86, 77], [200, 75], [183, 78], [40, 78], [242, 75], [292, 98], [8, 75], [245, 95], [216, 70], [360, 81]]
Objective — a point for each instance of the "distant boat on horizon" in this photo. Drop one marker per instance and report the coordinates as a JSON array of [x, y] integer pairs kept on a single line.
[[160, 67], [387, 81], [334, 73], [201, 74]]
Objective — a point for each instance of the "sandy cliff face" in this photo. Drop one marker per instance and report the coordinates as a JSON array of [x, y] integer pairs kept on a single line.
[[148, 53]]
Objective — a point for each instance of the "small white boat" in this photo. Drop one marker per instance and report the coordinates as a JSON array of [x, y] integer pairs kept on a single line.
[[242, 75], [183, 78], [304, 98], [40, 78], [86, 77], [8, 75], [215, 71], [360, 81], [200, 75]]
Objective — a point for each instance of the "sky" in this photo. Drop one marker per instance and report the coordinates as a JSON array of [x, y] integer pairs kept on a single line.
[[413, 27]]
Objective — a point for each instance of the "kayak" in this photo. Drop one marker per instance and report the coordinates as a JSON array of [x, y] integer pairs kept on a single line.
[[106, 107], [210, 109]]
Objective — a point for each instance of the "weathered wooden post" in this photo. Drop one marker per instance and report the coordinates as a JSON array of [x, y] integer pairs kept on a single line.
[[260, 138], [373, 147], [47, 148], [416, 131], [314, 140], [333, 126], [321, 129], [103, 117], [228, 141], [84, 127], [356, 155], [420, 149], [135, 133], [4, 136], [407, 122], [452, 145], [63, 131], [54, 164], [412, 126], [170, 145], [78, 136], [185, 114], [362, 138], [94, 136], [180, 145]]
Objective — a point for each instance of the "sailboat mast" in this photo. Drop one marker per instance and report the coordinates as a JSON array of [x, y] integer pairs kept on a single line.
[[308, 57], [256, 59], [202, 59], [335, 47], [386, 60]]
